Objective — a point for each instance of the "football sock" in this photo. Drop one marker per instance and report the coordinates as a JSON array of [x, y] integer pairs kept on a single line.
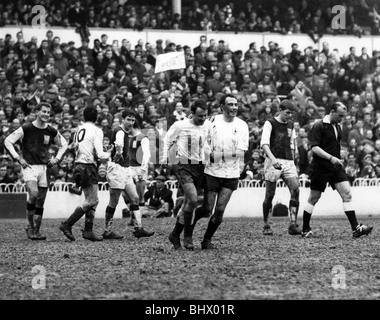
[[75, 216], [293, 211], [199, 213], [89, 220], [350, 213], [178, 228], [188, 217], [352, 218], [211, 228], [109, 218], [135, 210], [30, 208], [267, 210], [306, 221]]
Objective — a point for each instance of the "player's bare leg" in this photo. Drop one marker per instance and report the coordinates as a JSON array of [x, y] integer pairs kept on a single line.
[[224, 195]]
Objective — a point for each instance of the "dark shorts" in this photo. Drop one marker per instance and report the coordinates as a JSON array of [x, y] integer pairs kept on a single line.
[[215, 184], [190, 173], [319, 178], [85, 175]]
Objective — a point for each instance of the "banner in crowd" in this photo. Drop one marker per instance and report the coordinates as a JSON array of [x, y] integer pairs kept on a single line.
[[170, 61]]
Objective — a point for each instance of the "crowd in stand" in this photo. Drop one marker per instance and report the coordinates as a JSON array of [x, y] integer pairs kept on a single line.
[[285, 17], [113, 76]]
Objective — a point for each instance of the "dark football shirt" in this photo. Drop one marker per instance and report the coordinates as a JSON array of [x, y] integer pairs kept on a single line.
[[36, 142]]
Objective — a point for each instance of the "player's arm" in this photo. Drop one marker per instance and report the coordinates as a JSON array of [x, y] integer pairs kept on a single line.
[[265, 144], [9, 145], [62, 144], [316, 135], [119, 145], [170, 138], [98, 146], [243, 143], [293, 144], [146, 154]]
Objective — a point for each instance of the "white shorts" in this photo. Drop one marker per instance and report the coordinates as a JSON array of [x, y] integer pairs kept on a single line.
[[136, 171], [118, 177], [272, 174], [38, 173]]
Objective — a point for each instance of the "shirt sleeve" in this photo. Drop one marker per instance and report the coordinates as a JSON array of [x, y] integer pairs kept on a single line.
[[98, 145], [265, 136], [146, 153], [170, 138], [243, 141], [12, 139], [316, 135], [119, 140], [62, 144]]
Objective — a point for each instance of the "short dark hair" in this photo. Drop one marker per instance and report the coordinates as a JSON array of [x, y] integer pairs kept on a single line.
[[223, 99], [90, 114], [128, 113], [198, 104], [42, 104], [286, 104]]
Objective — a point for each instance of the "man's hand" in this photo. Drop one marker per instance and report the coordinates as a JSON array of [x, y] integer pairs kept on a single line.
[[337, 163], [23, 163], [276, 164], [52, 162]]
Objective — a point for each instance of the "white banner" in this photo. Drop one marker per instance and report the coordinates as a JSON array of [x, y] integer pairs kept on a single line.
[[170, 61]]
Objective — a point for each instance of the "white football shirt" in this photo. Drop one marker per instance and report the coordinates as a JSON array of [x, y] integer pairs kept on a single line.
[[190, 140], [226, 139], [88, 140]]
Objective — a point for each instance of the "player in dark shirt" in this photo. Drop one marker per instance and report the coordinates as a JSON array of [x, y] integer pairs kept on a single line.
[[36, 138], [327, 167], [278, 143]]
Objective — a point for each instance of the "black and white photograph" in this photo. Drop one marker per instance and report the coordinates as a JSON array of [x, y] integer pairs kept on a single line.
[[191, 158]]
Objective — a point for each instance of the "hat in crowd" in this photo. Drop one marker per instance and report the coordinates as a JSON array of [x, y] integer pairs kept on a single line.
[[84, 92], [159, 41], [155, 91], [155, 115], [161, 178], [367, 156], [213, 59], [123, 87], [146, 74]]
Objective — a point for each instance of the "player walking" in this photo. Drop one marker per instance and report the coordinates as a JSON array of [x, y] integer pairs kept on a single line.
[[327, 167], [36, 138], [88, 142], [278, 143], [229, 141], [189, 137]]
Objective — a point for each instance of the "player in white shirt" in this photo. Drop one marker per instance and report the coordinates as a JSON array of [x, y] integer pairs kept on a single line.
[[35, 138], [278, 143], [229, 142], [189, 137], [88, 143]]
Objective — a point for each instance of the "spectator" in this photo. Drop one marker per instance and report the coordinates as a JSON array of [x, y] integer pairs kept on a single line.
[[159, 198]]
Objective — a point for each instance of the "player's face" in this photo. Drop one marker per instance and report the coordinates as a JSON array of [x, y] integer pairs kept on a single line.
[[338, 115], [230, 107], [200, 116], [129, 122], [286, 115], [44, 114]]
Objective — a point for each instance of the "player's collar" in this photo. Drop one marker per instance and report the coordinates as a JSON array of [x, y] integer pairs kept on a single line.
[[326, 119]]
